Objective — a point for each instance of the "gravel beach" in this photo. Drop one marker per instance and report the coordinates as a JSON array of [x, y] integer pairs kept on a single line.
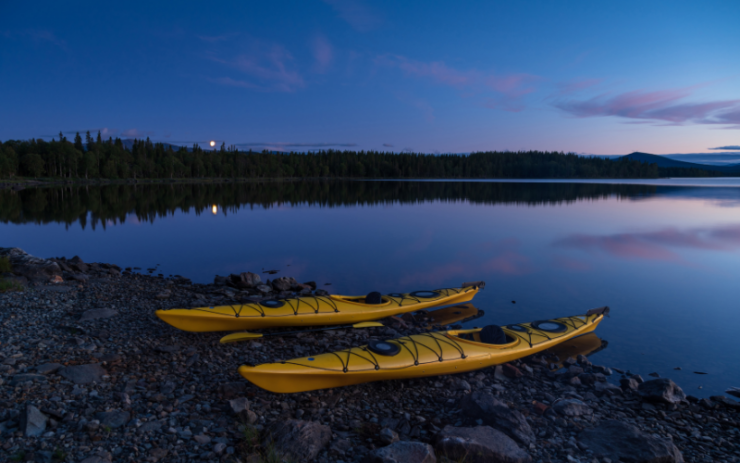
[[89, 374]]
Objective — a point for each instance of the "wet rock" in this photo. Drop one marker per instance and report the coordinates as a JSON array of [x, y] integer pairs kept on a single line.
[[245, 280], [608, 388], [299, 440], [48, 368], [83, 374], [113, 419], [33, 422], [239, 405], [284, 283], [511, 371], [340, 447], [387, 436], [727, 402], [166, 294], [629, 384], [264, 289], [202, 439], [572, 407], [29, 266], [495, 413], [481, 444], [77, 264], [95, 314], [623, 442], [661, 390], [404, 452], [459, 384]]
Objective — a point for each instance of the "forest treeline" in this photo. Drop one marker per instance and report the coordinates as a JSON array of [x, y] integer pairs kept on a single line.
[[115, 203], [95, 158]]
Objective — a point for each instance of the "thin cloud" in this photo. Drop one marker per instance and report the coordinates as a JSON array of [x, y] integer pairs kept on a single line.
[[38, 35], [387, 145], [297, 145], [574, 86], [662, 106], [267, 66], [217, 38], [506, 91], [729, 147], [136, 133], [357, 14], [323, 53], [437, 70]]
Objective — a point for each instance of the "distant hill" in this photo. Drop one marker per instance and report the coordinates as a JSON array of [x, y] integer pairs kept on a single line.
[[664, 162]]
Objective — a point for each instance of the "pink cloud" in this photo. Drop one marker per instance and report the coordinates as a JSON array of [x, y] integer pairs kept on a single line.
[[577, 85], [513, 85], [267, 65], [656, 106], [508, 90], [323, 53]]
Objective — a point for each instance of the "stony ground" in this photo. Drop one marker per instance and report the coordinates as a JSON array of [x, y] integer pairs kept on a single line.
[[88, 373]]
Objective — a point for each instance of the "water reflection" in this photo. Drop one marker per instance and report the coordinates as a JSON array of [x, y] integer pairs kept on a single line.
[[656, 245], [586, 345], [113, 204]]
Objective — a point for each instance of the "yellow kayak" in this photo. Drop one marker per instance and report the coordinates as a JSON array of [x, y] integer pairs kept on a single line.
[[310, 310], [427, 354]]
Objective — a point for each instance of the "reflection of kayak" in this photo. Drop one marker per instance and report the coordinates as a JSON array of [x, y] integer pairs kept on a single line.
[[309, 310], [426, 354], [450, 315], [582, 345]]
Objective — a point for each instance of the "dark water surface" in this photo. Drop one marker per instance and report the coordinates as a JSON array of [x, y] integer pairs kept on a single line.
[[665, 258]]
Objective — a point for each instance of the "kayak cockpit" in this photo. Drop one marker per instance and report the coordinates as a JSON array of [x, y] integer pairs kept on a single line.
[[491, 336]]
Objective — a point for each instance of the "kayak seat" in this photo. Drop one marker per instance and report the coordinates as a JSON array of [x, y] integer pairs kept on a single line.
[[373, 298], [493, 334]]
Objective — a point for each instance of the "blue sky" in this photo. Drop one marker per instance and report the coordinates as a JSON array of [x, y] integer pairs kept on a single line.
[[591, 77]]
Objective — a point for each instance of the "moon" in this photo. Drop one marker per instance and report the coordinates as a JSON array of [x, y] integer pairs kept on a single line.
[[213, 143]]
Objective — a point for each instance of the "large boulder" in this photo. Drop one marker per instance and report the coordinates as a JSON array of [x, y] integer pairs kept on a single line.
[[299, 440], [83, 374], [284, 283], [481, 444], [404, 452], [33, 268], [572, 407], [33, 422], [498, 415], [661, 390], [623, 442], [246, 280]]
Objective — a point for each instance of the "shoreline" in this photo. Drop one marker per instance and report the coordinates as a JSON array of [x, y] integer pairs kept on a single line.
[[89, 373]]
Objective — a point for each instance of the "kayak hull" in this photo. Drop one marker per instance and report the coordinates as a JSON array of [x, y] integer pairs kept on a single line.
[[307, 311], [427, 354]]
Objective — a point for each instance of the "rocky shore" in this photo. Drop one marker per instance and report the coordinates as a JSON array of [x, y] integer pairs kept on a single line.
[[89, 374]]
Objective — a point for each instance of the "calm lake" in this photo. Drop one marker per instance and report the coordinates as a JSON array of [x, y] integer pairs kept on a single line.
[[664, 256]]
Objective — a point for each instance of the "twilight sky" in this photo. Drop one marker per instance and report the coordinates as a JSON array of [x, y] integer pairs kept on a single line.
[[590, 77]]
